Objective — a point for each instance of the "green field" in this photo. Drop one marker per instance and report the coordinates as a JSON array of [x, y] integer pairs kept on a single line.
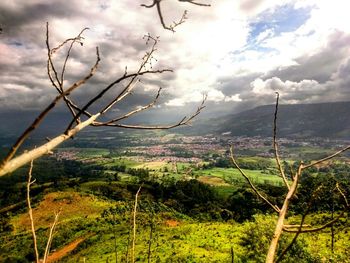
[[233, 175]]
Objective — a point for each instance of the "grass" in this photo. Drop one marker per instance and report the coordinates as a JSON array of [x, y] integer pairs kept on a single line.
[[183, 242], [231, 174], [72, 204]]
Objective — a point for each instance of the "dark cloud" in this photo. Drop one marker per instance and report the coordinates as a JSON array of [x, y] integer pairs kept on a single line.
[[236, 85], [319, 66]]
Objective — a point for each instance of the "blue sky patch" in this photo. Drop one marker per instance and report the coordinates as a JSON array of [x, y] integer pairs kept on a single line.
[[284, 19]]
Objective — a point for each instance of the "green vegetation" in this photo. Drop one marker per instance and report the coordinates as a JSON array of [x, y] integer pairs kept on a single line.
[[196, 212]]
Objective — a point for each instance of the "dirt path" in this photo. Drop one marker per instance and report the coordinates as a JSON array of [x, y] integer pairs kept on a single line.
[[64, 251]]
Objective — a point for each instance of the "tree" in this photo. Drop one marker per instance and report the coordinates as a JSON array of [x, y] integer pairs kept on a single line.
[[82, 116], [291, 187], [171, 27]]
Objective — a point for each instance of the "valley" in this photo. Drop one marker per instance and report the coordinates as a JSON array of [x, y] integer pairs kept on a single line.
[[193, 205]]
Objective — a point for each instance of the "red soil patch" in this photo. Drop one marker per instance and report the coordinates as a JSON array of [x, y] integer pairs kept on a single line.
[[57, 255], [172, 223], [212, 180]]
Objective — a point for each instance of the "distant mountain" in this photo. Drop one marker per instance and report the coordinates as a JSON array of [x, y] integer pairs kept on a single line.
[[331, 120]]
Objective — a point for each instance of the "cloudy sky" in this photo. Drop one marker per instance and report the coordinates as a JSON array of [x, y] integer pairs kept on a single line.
[[239, 52]]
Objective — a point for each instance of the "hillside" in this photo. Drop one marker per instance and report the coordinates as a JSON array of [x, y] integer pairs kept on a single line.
[[304, 121], [329, 120]]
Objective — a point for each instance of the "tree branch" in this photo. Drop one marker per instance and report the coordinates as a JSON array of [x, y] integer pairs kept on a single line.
[[326, 158], [51, 233], [127, 115], [300, 226], [181, 20], [311, 230], [275, 145], [184, 121], [26, 157], [134, 225], [30, 212], [252, 186], [44, 113]]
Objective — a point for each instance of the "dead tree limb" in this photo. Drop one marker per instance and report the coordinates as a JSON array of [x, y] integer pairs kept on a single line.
[[56, 77], [134, 213], [171, 27], [32, 224], [275, 145], [252, 186], [51, 234], [30, 212], [291, 193]]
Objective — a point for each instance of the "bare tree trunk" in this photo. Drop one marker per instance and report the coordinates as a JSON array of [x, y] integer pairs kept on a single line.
[[30, 211], [270, 257], [134, 226]]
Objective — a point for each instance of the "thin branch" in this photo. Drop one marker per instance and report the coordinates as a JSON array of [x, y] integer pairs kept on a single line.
[[342, 194], [50, 66], [73, 41], [43, 114], [146, 60], [160, 13], [329, 223], [326, 158], [194, 3], [30, 212], [127, 115], [49, 241], [134, 225], [100, 95], [26, 157], [182, 122], [274, 207], [275, 145], [311, 230]]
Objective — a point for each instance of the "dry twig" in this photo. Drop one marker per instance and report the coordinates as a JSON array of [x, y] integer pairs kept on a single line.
[[9, 163], [134, 225], [30, 212], [171, 27]]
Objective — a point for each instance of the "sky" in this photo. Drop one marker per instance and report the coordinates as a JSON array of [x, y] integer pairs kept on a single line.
[[237, 52]]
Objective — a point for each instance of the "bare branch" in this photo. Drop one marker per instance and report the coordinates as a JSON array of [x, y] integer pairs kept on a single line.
[[128, 88], [342, 194], [182, 122], [44, 113], [26, 157], [175, 24], [9, 163], [326, 158], [274, 207], [30, 212], [127, 115], [50, 66], [134, 225], [275, 145], [316, 229], [49, 241], [301, 225]]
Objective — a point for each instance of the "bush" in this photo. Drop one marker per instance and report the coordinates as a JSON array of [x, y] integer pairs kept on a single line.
[[256, 237]]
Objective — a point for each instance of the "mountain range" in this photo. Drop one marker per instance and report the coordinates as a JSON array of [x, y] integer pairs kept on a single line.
[[328, 120]]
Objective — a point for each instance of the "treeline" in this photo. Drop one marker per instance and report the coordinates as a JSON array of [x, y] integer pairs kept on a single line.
[[190, 197], [255, 163]]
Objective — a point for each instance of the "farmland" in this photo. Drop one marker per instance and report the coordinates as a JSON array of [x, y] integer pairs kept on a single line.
[[193, 206]]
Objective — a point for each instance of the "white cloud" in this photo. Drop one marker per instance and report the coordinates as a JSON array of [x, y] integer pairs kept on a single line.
[[213, 44]]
